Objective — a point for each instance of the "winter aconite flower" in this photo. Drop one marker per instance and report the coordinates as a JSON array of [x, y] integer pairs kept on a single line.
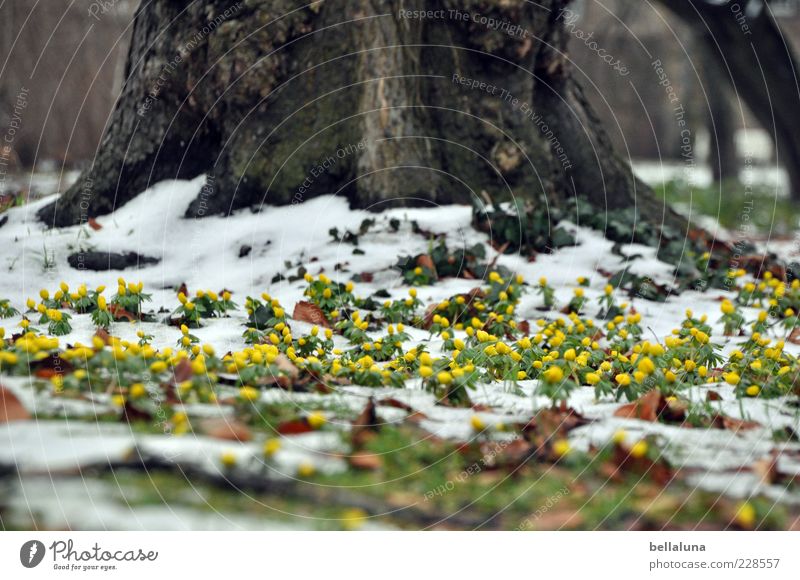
[[639, 449], [228, 459], [271, 447], [746, 515], [554, 374], [249, 394], [306, 469], [732, 378], [561, 447], [316, 420], [477, 423]]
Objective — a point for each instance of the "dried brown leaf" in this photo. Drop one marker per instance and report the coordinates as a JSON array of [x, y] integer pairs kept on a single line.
[[309, 312], [226, 429], [10, 407]]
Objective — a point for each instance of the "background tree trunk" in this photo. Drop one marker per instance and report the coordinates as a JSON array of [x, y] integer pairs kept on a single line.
[[281, 102], [757, 63], [722, 122]]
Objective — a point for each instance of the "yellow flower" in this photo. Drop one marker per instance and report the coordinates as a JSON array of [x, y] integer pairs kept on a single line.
[[623, 379], [316, 420], [646, 366], [592, 378], [228, 459], [746, 515], [732, 378], [554, 374], [561, 447], [477, 423], [137, 391], [444, 377], [753, 390], [158, 367], [353, 518], [249, 393], [639, 449], [271, 447], [727, 307], [619, 436], [305, 469]]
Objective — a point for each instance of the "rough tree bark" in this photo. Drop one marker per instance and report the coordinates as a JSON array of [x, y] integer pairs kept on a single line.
[[281, 102], [722, 122], [757, 63]]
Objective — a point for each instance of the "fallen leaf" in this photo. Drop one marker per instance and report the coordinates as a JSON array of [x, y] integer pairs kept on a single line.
[[365, 461], [226, 429], [767, 469], [555, 519], [396, 403], [659, 471], [10, 407], [365, 425], [416, 417], [732, 424], [131, 413], [119, 313], [183, 371], [645, 407], [549, 423], [309, 312], [294, 427], [51, 366], [94, 224], [425, 261], [103, 335], [504, 454], [284, 364]]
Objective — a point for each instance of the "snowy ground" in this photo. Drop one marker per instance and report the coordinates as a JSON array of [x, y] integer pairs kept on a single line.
[[205, 254]]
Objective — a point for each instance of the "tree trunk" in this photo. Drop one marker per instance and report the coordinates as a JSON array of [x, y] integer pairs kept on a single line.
[[722, 122], [360, 98], [758, 65]]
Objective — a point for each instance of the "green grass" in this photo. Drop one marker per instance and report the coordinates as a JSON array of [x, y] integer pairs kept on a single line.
[[575, 493], [424, 482], [736, 206]]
